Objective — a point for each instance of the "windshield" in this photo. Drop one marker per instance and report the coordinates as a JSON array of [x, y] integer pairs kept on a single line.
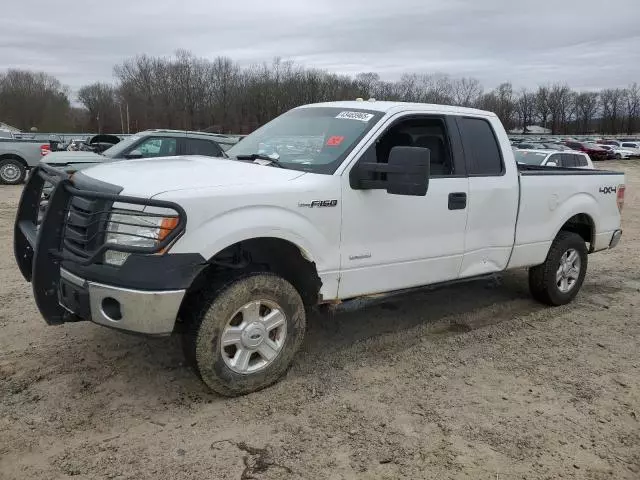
[[118, 148], [312, 139], [530, 158]]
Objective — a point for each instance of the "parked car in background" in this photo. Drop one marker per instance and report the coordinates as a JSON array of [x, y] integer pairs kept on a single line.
[[541, 146], [147, 144], [551, 158], [527, 145], [97, 144], [631, 145], [620, 153], [21, 152], [614, 143], [609, 155], [594, 151], [226, 141]]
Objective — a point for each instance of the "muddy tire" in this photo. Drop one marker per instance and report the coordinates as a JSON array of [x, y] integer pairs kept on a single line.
[[558, 280], [12, 172], [242, 337]]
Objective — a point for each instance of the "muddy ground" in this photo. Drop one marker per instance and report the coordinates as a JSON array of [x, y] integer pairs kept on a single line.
[[475, 381]]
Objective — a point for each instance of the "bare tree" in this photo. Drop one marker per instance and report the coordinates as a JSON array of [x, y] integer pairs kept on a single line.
[[542, 105], [586, 109], [33, 99], [613, 103], [500, 101], [633, 108], [188, 92], [465, 91], [559, 104], [100, 101], [525, 108]]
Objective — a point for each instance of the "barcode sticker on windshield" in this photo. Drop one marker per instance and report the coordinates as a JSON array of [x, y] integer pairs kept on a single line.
[[361, 116]]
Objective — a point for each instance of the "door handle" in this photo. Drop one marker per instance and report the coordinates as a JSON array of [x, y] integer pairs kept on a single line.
[[457, 201]]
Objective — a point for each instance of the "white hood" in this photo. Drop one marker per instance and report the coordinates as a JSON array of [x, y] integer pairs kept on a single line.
[[149, 177]]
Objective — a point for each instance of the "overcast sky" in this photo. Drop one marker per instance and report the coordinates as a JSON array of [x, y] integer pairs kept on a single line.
[[587, 43]]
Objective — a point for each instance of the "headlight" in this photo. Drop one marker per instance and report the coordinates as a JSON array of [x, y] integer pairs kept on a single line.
[[135, 229]]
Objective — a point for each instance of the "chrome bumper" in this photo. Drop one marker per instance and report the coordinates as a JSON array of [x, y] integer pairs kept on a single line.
[[140, 311]]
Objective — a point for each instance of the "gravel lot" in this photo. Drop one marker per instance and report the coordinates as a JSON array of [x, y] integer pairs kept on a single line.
[[475, 381]]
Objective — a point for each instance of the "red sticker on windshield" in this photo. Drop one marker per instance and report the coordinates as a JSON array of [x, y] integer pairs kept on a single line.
[[334, 141]]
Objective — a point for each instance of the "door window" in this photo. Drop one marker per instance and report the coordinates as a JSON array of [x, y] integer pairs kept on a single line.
[[157, 147], [423, 132]]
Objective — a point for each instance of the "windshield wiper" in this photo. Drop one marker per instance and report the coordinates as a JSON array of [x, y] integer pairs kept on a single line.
[[261, 156]]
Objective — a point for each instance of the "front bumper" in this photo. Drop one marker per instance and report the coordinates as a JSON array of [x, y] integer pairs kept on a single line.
[[140, 311], [143, 295]]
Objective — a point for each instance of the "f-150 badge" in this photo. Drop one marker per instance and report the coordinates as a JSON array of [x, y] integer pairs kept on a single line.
[[319, 203]]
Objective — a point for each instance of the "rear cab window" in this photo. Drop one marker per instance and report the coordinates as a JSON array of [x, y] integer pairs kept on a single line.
[[570, 160], [481, 147]]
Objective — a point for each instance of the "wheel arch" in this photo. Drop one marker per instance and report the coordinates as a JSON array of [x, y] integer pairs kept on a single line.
[[581, 224], [271, 254]]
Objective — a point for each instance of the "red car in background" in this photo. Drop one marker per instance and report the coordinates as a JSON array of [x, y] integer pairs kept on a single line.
[[594, 151]]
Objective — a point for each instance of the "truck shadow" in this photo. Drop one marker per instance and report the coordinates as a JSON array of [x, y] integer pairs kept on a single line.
[[451, 309], [408, 317]]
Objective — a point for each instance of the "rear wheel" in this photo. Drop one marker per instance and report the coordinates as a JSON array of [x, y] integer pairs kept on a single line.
[[244, 336], [12, 172], [558, 280]]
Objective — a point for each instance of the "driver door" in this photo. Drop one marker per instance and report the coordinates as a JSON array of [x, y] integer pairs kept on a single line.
[[391, 242]]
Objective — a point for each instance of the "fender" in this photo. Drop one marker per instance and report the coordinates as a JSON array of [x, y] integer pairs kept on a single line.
[[14, 154], [319, 245]]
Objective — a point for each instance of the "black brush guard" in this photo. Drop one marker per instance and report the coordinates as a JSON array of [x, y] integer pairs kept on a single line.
[[38, 244]]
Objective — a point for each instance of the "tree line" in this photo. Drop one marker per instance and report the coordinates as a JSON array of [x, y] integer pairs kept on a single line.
[[188, 92]]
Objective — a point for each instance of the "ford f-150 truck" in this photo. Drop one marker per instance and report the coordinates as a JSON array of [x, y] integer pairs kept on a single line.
[[18, 155], [327, 202]]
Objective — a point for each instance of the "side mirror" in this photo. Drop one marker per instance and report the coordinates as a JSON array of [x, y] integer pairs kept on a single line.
[[412, 167], [133, 154], [407, 172], [552, 163]]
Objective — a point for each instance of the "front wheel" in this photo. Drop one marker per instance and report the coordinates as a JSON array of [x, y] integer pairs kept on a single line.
[[245, 336], [618, 156], [12, 172], [558, 280]]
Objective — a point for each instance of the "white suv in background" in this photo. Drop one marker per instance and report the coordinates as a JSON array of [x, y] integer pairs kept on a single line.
[[633, 147], [551, 158]]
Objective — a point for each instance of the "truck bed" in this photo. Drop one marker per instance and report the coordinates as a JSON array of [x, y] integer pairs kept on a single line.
[[551, 195]]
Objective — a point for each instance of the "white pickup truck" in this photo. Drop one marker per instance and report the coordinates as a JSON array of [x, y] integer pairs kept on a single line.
[[325, 203]]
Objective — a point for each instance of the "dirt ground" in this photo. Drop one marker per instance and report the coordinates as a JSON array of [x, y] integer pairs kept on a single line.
[[476, 381]]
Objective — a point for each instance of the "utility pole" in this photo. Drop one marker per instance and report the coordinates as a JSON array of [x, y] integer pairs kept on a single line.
[[121, 117], [128, 131]]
